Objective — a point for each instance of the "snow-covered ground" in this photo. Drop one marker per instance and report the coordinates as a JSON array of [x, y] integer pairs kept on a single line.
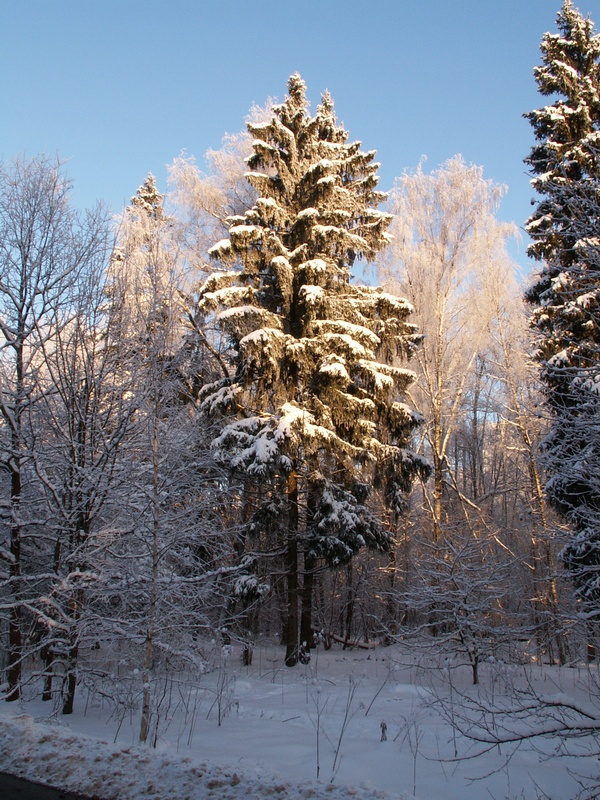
[[266, 731]]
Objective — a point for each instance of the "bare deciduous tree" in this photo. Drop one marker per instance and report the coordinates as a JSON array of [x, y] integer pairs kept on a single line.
[[445, 240], [44, 248]]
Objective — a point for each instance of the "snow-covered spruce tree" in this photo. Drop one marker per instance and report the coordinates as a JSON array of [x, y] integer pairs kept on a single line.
[[565, 163], [312, 403]]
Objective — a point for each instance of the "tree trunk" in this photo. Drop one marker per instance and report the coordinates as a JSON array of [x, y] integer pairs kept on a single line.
[[71, 677], [76, 605], [475, 670], [391, 602], [15, 644], [438, 481], [15, 637], [149, 648], [48, 659], [350, 602], [306, 628], [291, 568]]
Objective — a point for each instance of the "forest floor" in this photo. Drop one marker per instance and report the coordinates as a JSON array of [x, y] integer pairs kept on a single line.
[[312, 731]]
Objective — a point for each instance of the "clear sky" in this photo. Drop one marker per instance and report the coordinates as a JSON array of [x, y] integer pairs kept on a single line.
[[118, 88]]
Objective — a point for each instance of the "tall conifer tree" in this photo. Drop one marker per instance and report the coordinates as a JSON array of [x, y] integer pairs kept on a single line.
[[313, 400], [565, 163]]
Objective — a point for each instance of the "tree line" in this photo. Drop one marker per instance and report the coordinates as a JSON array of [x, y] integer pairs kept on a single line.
[[214, 425]]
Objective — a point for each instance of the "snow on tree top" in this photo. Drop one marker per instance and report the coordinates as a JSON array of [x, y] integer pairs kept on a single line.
[[588, 299], [227, 296], [589, 384], [263, 337], [280, 262], [264, 451], [314, 266], [345, 344], [237, 311], [358, 332], [292, 417], [588, 241], [255, 174], [222, 247], [244, 312], [245, 231], [267, 202], [405, 412], [359, 406], [308, 213], [262, 441], [312, 295], [263, 144], [383, 382], [323, 164], [394, 302], [326, 231], [335, 369], [560, 359], [385, 372], [220, 398]]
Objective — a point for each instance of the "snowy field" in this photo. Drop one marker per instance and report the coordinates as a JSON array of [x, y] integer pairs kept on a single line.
[[313, 731]]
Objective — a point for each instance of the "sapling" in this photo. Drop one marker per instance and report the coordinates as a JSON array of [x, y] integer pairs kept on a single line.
[[320, 708], [413, 735], [349, 712], [378, 692], [224, 699]]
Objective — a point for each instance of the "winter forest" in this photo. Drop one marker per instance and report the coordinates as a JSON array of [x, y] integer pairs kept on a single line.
[[271, 403]]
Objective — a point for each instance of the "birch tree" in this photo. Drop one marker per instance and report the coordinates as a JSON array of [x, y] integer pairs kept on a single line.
[[446, 239]]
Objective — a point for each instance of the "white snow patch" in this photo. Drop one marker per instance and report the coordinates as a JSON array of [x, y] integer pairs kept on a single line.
[[335, 369], [51, 754], [266, 745], [308, 213], [311, 294]]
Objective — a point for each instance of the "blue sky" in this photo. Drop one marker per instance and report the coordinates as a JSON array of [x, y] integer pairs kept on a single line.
[[118, 88]]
